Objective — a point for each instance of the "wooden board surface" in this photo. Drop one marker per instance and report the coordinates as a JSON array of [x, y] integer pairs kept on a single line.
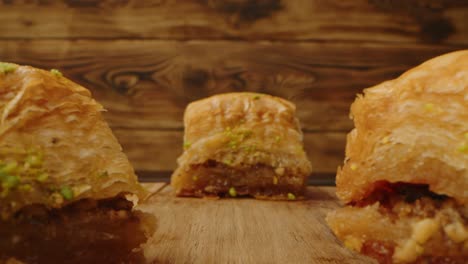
[[298, 20], [191, 230]]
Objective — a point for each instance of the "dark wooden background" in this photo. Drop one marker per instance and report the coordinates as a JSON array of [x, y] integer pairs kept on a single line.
[[145, 60]]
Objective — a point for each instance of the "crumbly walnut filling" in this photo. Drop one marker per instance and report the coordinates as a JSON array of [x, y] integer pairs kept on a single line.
[[219, 179], [437, 225], [86, 231]]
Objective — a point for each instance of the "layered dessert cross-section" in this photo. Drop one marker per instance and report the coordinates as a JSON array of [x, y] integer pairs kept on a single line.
[[67, 191], [242, 144], [404, 182]]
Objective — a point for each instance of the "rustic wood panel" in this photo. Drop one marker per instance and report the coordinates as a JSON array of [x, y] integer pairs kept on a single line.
[[205, 231], [364, 20], [156, 150], [146, 84]]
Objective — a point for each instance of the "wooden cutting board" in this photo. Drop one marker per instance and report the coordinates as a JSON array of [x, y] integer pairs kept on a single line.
[[191, 230]]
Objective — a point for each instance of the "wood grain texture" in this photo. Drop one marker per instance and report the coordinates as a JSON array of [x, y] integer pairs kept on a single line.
[[155, 150], [147, 84], [146, 60], [243, 231], [418, 21]]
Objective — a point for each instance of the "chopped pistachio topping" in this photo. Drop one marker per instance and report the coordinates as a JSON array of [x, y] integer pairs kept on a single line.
[[277, 139], [232, 144], [187, 145], [250, 149], [66, 192], [235, 138], [299, 149], [34, 160], [256, 97], [22, 172], [291, 196], [429, 107], [10, 181], [42, 177], [354, 166], [56, 72], [232, 192], [463, 148], [25, 187], [385, 140], [6, 67], [77, 190], [275, 180], [103, 174], [227, 162], [9, 167]]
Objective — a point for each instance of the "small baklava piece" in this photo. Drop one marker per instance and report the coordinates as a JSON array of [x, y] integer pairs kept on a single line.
[[242, 144], [67, 190]]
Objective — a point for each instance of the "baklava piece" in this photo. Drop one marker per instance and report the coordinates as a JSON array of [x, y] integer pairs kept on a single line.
[[242, 144], [67, 190], [405, 177]]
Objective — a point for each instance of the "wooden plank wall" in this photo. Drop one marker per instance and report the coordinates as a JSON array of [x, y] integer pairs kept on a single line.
[[145, 60]]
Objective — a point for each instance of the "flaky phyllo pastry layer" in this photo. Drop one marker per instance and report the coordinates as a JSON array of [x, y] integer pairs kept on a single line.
[[405, 177], [57, 158], [242, 144]]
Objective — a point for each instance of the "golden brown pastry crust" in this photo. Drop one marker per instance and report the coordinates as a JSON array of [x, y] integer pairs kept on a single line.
[[48, 117], [242, 130], [405, 177], [412, 129]]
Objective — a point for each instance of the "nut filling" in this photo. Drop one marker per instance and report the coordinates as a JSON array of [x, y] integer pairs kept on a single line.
[[401, 223], [259, 181], [87, 231]]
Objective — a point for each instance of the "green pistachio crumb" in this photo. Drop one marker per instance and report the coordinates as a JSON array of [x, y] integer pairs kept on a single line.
[[42, 177], [291, 196], [56, 72], [103, 174], [277, 139], [246, 133], [256, 97], [10, 167], [250, 149], [66, 192], [232, 144], [187, 145], [6, 67], [227, 162], [34, 160], [10, 182], [463, 148], [25, 187], [275, 180], [232, 192], [429, 107]]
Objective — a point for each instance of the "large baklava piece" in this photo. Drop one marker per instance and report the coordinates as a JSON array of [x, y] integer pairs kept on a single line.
[[67, 191], [405, 177], [240, 144]]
